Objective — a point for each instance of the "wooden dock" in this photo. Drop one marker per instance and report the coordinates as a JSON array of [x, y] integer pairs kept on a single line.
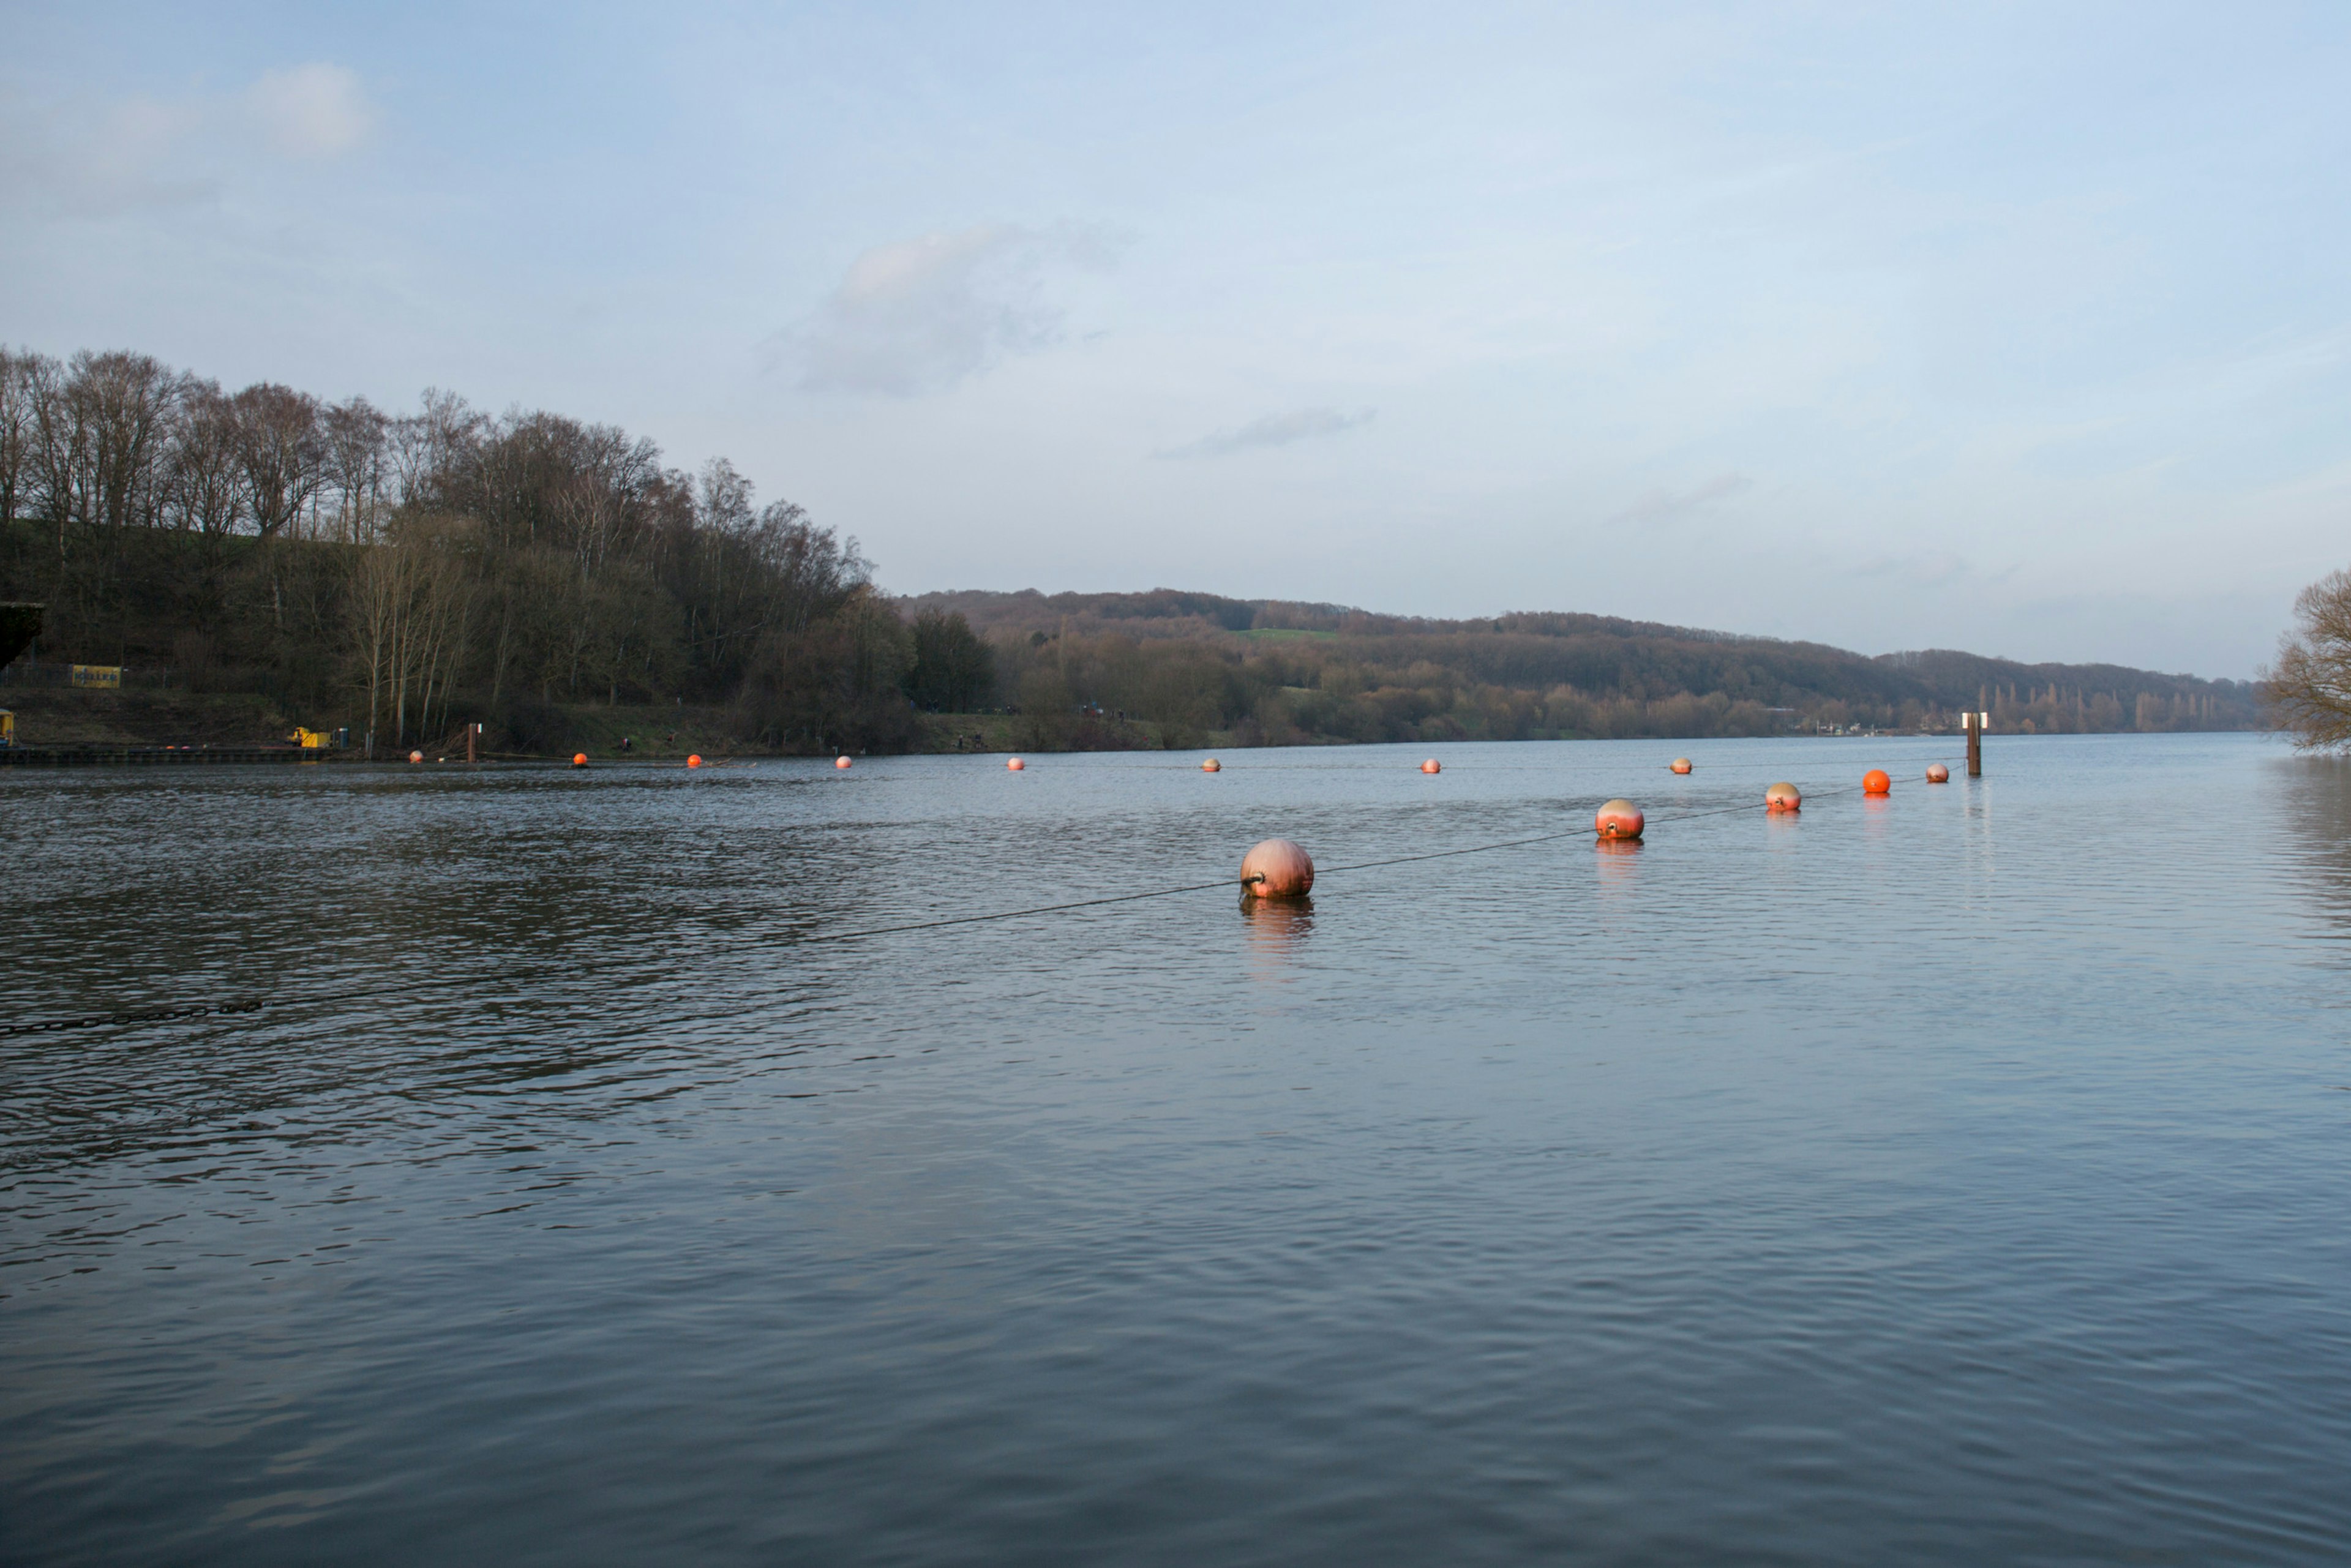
[[158, 756]]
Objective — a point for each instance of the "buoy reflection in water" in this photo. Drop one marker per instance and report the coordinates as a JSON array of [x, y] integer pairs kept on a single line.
[[1619, 864], [1275, 929]]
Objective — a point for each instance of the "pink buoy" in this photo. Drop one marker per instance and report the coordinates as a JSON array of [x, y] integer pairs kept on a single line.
[[1016, 765], [1681, 764], [1783, 797], [1212, 765], [840, 762], [1619, 820], [1277, 869], [416, 757], [1937, 774], [1431, 766]]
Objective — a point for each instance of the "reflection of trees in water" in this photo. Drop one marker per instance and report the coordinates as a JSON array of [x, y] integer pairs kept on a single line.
[[2316, 805], [473, 978]]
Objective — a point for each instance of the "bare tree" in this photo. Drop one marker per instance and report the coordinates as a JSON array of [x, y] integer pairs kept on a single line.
[[206, 477], [15, 429], [410, 606], [99, 429], [58, 453], [281, 453], [2307, 692], [426, 448], [354, 436]]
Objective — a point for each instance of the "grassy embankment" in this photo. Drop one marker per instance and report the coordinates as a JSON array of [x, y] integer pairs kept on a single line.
[[63, 716]]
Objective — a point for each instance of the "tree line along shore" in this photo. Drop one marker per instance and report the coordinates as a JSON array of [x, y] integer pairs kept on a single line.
[[260, 559]]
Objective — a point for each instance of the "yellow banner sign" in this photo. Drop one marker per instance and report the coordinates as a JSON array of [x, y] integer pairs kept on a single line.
[[97, 675]]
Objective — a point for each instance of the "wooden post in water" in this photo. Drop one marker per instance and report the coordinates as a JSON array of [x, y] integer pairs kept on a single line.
[[1973, 722], [473, 731]]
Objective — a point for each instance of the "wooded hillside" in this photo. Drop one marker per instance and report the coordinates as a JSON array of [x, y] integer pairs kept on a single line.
[[1276, 670], [407, 574]]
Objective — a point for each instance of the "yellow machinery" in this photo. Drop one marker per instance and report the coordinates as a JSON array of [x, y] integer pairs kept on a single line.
[[311, 739], [7, 727]]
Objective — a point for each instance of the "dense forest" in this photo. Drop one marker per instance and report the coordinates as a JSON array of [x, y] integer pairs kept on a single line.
[[407, 574], [1276, 673]]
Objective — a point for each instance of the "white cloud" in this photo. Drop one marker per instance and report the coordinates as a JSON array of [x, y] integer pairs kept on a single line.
[[315, 110], [1923, 569], [1667, 505], [81, 157], [923, 314], [1274, 430]]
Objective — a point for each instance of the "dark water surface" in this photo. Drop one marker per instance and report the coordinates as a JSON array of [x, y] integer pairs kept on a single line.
[[1955, 1178]]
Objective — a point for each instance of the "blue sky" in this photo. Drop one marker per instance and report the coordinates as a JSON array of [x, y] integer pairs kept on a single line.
[[2022, 330]]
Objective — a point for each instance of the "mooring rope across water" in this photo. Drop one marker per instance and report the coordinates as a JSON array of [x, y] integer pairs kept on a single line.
[[165, 1015], [158, 1014]]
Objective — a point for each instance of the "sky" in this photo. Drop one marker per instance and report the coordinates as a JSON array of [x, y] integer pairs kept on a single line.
[[2016, 328]]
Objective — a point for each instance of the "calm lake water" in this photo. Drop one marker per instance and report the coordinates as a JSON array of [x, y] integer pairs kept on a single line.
[[1959, 1177]]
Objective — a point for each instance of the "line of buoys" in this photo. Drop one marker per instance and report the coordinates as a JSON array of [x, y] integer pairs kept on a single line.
[[695, 760], [1212, 765], [1681, 764], [1431, 766], [578, 760], [1876, 782], [1619, 820], [1277, 869], [1937, 774], [1783, 797], [840, 762], [1016, 765]]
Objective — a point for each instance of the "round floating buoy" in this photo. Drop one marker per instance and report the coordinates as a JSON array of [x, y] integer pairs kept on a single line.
[[695, 760], [1876, 782], [1431, 766], [840, 762], [1016, 765], [1618, 819], [1278, 869], [1681, 765], [578, 760], [1212, 765], [1937, 774], [416, 757], [1783, 797]]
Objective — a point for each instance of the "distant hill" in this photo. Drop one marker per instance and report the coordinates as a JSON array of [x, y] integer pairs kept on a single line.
[[1294, 671]]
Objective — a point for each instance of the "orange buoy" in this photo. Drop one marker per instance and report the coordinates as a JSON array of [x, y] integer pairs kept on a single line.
[[416, 757], [1876, 782], [695, 760], [1277, 869], [1783, 797], [578, 760], [1016, 765], [1937, 774], [1212, 765], [840, 762], [1431, 766], [1618, 819], [1681, 765]]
